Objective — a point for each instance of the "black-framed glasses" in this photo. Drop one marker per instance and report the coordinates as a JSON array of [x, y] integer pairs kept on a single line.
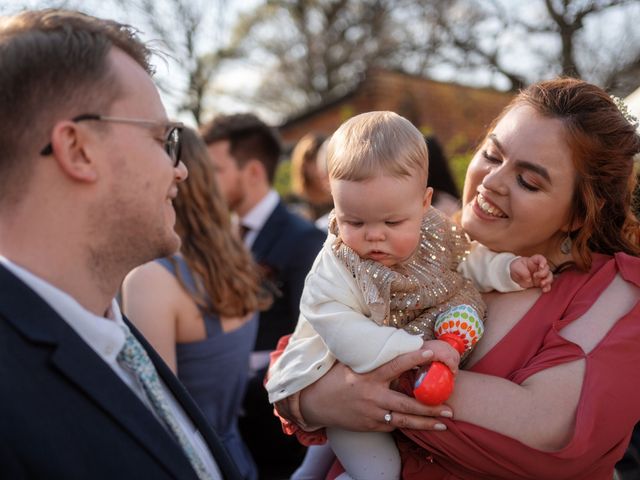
[[172, 137]]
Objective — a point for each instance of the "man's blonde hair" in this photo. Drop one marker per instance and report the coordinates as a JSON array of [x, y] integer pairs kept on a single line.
[[375, 143]]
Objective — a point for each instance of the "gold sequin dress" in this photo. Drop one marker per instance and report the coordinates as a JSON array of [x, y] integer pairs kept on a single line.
[[413, 294]]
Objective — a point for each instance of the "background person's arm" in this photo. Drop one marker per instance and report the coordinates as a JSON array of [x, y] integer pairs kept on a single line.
[[149, 297]]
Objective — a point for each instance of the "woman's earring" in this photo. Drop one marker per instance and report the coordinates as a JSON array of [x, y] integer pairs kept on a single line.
[[565, 246]]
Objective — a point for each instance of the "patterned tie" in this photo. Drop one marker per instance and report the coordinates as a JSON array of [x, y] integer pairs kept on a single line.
[[135, 357]]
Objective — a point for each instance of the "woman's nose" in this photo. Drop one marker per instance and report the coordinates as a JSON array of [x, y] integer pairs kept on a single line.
[[494, 180]]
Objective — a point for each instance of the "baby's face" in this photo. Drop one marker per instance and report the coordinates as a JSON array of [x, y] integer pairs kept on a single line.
[[380, 218]]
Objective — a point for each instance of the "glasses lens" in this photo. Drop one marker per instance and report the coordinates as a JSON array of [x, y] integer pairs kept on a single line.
[[172, 145]]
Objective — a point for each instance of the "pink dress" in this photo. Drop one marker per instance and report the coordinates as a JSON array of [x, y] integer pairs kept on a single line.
[[608, 409]]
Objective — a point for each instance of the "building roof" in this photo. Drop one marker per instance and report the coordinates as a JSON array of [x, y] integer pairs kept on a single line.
[[458, 115]]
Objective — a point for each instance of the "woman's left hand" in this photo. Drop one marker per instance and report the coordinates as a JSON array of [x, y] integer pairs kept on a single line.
[[363, 402]]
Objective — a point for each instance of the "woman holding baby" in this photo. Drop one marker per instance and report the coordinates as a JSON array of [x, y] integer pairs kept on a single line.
[[550, 390]]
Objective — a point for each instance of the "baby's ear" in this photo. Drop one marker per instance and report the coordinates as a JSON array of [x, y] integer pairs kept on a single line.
[[426, 201]]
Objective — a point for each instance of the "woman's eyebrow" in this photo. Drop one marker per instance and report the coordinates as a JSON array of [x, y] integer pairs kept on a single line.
[[534, 167]]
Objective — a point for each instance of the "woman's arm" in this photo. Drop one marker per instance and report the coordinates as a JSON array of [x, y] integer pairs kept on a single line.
[[549, 397], [364, 404], [539, 412], [149, 300]]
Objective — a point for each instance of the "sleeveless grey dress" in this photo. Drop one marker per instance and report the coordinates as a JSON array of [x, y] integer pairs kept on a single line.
[[215, 373]]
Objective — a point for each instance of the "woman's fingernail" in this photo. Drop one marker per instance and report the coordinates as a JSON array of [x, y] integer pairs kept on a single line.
[[447, 414], [427, 353], [440, 426]]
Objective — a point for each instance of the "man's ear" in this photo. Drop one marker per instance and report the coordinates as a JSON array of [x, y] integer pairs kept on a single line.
[[71, 150], [255, 169]]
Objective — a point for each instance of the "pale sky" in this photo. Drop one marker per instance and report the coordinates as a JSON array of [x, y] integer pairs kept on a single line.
[[167, 71], [240, 76]]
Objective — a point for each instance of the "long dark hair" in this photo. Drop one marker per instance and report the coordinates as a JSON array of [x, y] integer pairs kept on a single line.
[[440, 177], [227, 279]]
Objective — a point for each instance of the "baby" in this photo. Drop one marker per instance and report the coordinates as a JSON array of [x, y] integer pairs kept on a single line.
[[391, 267]]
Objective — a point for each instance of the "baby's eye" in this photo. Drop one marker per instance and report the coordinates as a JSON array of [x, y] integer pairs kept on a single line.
[[393, 223], [353, 223]]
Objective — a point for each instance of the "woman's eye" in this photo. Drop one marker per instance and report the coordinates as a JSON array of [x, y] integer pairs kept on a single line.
[[526, 185], [490, 158]]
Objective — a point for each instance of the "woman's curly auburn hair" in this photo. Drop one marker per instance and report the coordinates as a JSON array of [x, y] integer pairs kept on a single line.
[[228, 282], [603, 143]]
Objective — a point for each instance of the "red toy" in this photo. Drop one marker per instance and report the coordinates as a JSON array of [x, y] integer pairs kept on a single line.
[[461, 328]]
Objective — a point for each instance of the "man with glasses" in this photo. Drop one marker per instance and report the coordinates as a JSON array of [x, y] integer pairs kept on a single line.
[[89, 166]]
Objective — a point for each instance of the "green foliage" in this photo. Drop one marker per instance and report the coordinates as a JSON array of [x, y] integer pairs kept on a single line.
[[346, 112], [458, 164], [425, 130], [282, 179], [457, 143]]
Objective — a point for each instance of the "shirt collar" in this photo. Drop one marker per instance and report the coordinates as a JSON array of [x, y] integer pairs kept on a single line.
[[259, 214], [105, 335]]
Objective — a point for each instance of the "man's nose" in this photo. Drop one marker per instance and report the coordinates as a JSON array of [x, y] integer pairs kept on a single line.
[[181, 172]]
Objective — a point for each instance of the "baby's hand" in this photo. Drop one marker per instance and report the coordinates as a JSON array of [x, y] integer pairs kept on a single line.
[[531, 272], [443, 352]]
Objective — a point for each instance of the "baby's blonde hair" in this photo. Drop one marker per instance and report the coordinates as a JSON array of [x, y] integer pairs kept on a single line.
[[375, 143]]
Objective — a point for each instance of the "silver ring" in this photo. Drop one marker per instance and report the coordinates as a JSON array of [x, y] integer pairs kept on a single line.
[[387, 418]]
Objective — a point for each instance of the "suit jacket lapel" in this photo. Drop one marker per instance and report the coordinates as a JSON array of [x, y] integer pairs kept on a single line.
[[74, 359], [269, 233]]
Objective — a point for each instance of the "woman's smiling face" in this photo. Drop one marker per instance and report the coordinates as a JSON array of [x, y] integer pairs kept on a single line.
[[519, 186]]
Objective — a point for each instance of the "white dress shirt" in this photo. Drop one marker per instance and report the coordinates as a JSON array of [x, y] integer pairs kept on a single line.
[[106, 336], [255, 218]]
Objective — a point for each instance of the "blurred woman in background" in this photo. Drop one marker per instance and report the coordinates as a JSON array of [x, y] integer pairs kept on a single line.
[[309, 185]]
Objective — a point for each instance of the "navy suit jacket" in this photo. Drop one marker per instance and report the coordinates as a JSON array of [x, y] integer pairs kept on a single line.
[[64, 413], [285, 247]]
